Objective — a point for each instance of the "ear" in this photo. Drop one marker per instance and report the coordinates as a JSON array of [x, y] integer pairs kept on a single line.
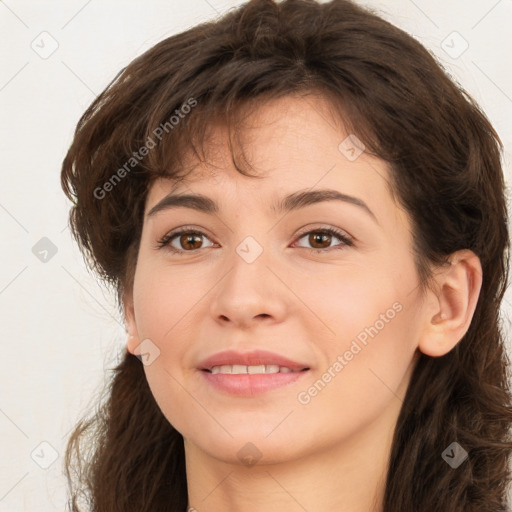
[[133, 342], [451, 308]]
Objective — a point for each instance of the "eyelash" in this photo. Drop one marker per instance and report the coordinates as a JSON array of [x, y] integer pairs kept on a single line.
[[164, 242]]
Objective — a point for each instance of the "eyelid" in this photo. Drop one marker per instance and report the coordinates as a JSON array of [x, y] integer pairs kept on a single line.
[[325, 227]]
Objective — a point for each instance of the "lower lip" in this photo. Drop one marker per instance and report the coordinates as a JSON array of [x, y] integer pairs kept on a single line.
[[250, 384]]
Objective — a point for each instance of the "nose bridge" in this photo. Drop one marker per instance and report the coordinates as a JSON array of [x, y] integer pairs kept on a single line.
[[248, 289], [248, 275]]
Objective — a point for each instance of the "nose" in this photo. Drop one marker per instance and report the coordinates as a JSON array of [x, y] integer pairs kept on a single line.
[[249, 293]]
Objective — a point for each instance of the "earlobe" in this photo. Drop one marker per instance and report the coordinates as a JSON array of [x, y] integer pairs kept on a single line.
[[132, 342], [452, 308], [133, 345]]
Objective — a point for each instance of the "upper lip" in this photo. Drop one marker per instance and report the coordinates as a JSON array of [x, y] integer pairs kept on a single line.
[[252, 358]]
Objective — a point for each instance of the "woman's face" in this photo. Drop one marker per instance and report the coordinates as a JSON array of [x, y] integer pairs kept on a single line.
[[261, 274]]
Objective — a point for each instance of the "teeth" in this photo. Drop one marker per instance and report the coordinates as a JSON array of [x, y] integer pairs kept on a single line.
[[238, 369], [256, 369]]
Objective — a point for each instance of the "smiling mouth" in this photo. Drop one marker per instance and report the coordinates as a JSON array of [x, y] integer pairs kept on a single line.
[[261, 369]]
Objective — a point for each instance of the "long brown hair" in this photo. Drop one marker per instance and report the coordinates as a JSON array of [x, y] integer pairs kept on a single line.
[[446, 173]]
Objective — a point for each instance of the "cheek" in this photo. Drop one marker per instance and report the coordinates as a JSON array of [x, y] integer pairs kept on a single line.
[[371, 340], [166, 300], [347, 301], [365, 378]]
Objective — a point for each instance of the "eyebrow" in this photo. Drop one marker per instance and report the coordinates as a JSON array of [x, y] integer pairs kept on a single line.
[[294, 201]]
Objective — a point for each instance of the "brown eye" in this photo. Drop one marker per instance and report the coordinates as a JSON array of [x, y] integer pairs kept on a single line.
[[190, 241], [320, 239], [182, 241]]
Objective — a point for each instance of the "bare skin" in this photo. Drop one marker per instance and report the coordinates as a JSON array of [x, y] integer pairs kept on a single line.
[[323, 450]]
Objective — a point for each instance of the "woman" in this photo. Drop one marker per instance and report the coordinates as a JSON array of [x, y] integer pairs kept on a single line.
[[304, 219]]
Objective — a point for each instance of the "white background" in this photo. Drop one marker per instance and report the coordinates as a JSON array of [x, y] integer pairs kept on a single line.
[[60, 330]]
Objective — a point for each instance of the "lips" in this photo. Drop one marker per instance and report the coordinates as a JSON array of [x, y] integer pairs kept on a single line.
[[250, 374], [253, 358]]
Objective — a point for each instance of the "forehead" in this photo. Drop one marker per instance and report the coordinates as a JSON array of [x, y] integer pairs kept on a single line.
[[291, 143]]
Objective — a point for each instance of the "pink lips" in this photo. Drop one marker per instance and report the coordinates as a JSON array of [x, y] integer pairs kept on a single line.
[[247, 385]]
